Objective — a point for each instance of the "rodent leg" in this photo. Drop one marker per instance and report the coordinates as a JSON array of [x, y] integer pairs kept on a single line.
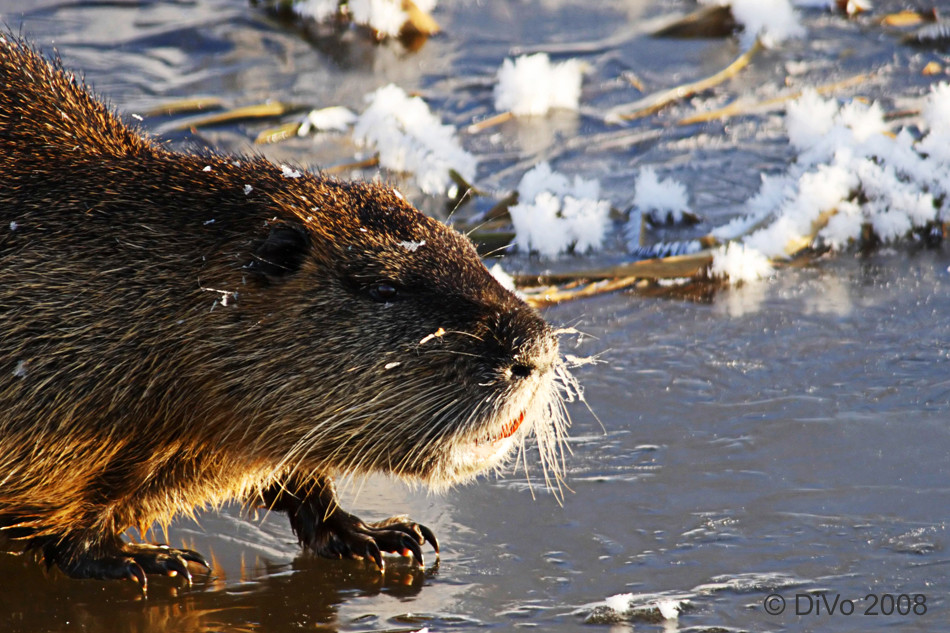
[[122, 561], [323, 527]]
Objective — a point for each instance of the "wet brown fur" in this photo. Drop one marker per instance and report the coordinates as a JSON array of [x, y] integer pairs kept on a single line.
[[177, 330]]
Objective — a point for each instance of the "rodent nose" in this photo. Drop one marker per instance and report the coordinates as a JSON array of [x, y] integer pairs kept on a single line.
[[525, 345], [535, 358], [521, 370]]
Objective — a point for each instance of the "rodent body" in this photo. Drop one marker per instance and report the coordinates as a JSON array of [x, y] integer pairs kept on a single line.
[[177, 330]]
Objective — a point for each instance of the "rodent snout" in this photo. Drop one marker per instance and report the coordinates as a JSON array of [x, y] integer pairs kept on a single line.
[[534, 357]]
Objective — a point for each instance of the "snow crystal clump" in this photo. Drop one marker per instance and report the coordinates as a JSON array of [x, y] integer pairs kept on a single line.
[[808, 119], [411, 245], [409, 138], [851, 7], [669, 609], [289, 172], [334, 118], [318, 10], [20, 370], [619, 603], [849, 177], [554, 214], [736, 263], [773, 21], [386, 17], [772, 193], [625, 604], [937, 117], [664, 200], [532, 85]]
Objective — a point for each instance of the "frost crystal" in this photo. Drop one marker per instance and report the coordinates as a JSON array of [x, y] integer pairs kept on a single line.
[[288, 172], [849, 177], [532, 85], [386, 17], [773, 21], [737, 263], [409, 138], [663, 200], [553, 214], [20, 370], [335, 118], [412, 247]]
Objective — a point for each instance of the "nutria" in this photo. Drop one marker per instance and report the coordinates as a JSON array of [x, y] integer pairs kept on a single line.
[[179, 329]]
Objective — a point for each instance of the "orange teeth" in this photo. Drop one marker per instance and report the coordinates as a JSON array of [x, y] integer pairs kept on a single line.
[[511, 427], [506, 432]]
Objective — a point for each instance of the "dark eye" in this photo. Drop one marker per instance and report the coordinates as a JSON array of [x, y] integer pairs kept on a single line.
[[383, 292]]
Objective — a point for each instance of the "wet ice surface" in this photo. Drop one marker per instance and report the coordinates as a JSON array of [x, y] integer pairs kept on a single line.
[[784, 437]]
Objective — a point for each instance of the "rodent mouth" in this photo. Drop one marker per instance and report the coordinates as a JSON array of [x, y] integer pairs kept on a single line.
[[511, 427], [507, 431]]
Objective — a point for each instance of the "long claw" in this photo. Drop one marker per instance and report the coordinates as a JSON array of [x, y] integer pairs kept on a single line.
[[175, 564], [413, 547], [136, 574], [373, 553], [429, 536], [194, 557]]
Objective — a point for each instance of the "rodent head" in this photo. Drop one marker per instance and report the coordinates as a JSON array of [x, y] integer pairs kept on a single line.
[[389, 345]]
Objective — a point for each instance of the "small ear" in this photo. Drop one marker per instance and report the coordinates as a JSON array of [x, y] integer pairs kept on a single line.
[[282, 252]]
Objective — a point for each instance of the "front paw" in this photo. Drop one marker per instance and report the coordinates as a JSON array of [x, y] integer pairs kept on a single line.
[[323, 527], [343, 535]]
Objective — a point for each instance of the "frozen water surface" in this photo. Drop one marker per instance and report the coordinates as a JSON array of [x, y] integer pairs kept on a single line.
[[786, 436]]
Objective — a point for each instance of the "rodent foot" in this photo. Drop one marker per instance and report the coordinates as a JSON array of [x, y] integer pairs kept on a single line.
[[164, 560], [130, 562], [324, 528], [351, 537]]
